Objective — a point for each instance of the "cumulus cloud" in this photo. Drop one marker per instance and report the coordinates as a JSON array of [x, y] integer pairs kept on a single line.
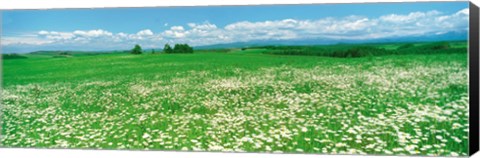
[[412, 17], [350, 27], [92, 33], [53, 35], [146, 32], [6, 41], [175, 32]]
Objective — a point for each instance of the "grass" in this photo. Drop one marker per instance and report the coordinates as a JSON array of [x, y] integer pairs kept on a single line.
[[239, 100]]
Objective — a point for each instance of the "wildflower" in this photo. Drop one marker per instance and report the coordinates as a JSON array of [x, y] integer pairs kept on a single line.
[[415, 141], [454, 154], [340, 145], [304, 129], [145, 136], [456, 139], [397, 149], [268, 148], [387, 152], [456, 125]]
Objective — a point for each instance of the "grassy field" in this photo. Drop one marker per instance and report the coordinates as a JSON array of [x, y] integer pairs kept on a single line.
[[243, 101]]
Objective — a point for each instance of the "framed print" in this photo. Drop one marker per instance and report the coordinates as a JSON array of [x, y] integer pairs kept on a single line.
[[356, 78]]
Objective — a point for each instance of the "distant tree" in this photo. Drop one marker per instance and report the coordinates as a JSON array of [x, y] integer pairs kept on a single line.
[[167, 49], [440, 45], [137, 49], [153, 51], [182, 48], [177, 48], [405, 46], [189, 49], [64, 53], [13, 56]]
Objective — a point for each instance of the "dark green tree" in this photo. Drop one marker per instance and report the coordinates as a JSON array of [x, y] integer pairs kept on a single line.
[[189, 49], [177, 48], [167, 49], [182, 48], [137, 49]]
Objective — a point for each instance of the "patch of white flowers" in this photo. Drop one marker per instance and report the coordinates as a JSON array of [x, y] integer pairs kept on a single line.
[[337, 109]]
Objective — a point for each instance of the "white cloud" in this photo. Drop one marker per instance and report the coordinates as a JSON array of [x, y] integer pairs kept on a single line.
[[177, 28], [43, 32], [53, 35], [92, 33], [146, 32], [24, 41], [465, 11], [350, 27], [412, 17]]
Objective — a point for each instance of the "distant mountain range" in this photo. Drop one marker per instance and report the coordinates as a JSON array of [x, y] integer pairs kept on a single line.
[[450, 36]]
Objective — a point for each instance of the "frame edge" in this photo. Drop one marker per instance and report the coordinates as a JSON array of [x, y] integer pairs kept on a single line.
[[473, 49]]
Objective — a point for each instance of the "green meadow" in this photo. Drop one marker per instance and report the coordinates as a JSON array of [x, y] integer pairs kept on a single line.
[[393, 98]]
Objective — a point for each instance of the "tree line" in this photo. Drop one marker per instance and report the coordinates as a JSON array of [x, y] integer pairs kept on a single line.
[[177, 48], [362, 50]]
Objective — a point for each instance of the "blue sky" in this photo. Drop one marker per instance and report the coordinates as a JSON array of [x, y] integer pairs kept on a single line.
[[119, 28]]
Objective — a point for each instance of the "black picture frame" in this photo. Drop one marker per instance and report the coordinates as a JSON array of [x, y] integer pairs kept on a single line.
[[473, 49]]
